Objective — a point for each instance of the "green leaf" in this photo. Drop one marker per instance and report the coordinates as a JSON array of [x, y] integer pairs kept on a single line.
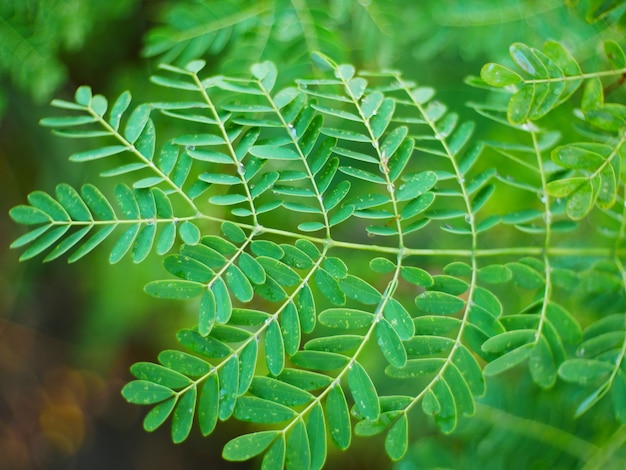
[[363, 391], [508, 341], [182, 418], [382, 265], [416, 186], [358, 289], [251, 268], [362, 174], [67, 121], [618, 392], [117, 110], [247, 366], [316, 432], [390, 343], [184, 363], [208, 405], [47, 204], [279, 271], [345, 318], [274, 348], [520, 105], [498, 75], [239, 284], [566, 325], [495, 274], [525, 276], [98, 153], [206, 346], [615, 54], [471, 370], [319, 360], [397, 440], [137, 122], [439, 302], [174, 289], [508, 360], [541, 364], [582, 371], [28, 215], [160, 375], [275, 456], [298, 454], [143, 392], [229, 386], [399, 319], [415, 368], [304, 379], [329, 287], [249, 445], [158, 414], [338, 418], [223, 304], [279, 392], [305, 305], [261, 411], [446, 417], [290, 329], [335, 343]]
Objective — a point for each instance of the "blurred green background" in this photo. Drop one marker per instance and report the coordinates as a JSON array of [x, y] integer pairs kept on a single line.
[[69, 333]]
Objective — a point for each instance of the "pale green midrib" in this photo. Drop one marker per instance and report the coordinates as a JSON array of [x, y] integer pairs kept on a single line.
[[460, 178], [585, 251], [229, 144], [303, 158], [336, 382], [615, 152], [131, 148], [547, 292], [232, 20], [582, 76], [256, 335]]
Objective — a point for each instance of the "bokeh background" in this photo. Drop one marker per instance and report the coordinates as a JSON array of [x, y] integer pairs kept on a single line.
[[68, 333]]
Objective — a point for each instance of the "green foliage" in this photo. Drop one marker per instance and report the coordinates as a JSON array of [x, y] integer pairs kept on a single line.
[[295, 220], [35, 34]]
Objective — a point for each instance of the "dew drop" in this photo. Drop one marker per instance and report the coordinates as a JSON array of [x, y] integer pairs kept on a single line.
[[375, 143], [190, 147], [391, 188], [547, 217], [292, 131], [469, 218], [241, 169], [542, 197]]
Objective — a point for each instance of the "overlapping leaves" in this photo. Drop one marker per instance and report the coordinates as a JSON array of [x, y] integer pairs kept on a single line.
[[549, 78], [288, 324]]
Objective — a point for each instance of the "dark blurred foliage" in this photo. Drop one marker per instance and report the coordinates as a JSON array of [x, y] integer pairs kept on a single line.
[[69, 333]]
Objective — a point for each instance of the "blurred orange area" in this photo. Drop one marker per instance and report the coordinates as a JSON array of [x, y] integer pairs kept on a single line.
[[46, 407]]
